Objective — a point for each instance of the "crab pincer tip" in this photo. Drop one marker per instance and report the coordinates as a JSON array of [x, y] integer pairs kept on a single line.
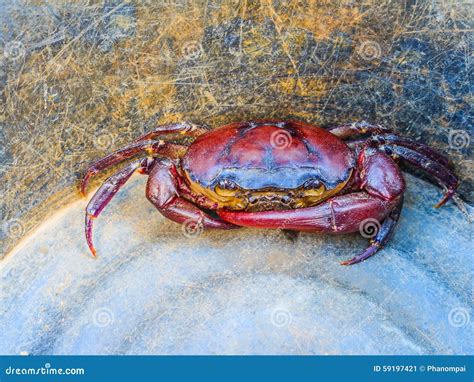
[[83, 187], [92, 249], [449, 194], [85, 182], [88, 229]]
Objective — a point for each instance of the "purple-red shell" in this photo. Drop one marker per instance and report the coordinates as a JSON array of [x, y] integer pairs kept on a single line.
[[269, 154]]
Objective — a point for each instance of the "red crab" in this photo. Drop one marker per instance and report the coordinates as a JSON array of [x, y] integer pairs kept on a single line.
[[274, 174]]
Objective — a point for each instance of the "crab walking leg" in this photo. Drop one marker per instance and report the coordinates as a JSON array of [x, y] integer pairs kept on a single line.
[[442, 174], [421, 148], [382, 236], [357, 128], [162, 192], [106, 192], [383, 135], [185, 128], [418, 154], [148, 147]]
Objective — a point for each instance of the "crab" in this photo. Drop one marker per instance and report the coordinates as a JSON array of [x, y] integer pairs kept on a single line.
[[273, 174]]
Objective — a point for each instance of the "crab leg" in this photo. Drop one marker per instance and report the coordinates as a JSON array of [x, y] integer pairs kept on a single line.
[[357, 144], [149, 147], [418, 154], [444, 176], [383, 135], [383, 184], [427, 151], [180, 127], [381, 238], [162, 192], [340, 214], [107, 191], [357, 128]]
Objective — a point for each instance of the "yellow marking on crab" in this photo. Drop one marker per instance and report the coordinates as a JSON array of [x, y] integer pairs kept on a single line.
[[238, 199]]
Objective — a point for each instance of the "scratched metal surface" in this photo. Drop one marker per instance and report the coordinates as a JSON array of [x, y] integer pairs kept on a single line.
[[157, 288], [77, 81]]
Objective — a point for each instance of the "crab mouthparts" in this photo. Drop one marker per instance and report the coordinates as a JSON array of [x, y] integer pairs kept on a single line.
[[265, 201]]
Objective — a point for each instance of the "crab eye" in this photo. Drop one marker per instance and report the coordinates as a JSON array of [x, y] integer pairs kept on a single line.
[[226, 187], [227, 184], [312, 184]]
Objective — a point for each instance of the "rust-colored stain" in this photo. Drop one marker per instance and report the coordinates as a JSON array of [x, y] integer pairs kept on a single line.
[[77, 81]]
